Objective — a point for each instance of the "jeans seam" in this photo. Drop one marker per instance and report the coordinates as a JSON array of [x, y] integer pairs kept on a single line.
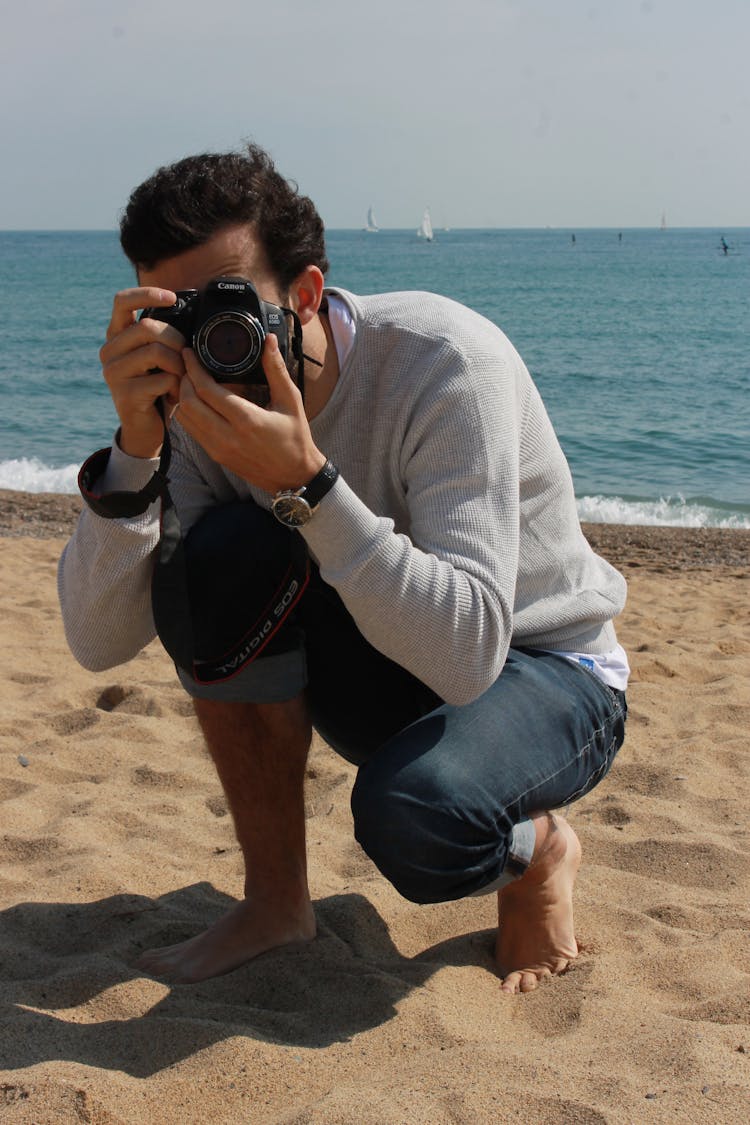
[[618, 713]]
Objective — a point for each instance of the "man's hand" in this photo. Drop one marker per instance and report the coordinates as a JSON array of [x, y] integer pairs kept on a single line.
[[270, 447], [133, 351]]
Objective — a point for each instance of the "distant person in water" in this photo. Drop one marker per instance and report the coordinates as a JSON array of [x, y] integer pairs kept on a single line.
[[725, 245], [382, 544]]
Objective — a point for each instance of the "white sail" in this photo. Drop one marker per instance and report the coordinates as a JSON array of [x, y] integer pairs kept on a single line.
[[372, 222], [425, 230]]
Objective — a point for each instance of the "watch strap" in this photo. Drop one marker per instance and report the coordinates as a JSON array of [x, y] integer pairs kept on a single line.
[[322, 482]]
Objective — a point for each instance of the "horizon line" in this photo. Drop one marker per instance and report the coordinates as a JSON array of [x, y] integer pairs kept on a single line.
[[398, 230]]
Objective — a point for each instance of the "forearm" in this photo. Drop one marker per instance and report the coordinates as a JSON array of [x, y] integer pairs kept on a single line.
[[104, 575], [448, 624]]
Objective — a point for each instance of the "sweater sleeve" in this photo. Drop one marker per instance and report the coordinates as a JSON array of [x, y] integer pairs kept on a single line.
[[104, 574], [438, 600]]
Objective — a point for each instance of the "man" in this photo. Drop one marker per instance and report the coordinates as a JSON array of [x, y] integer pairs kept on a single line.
[[451, 633]]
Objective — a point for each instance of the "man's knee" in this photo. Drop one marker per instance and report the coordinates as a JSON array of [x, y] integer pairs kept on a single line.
[[283, 722], [419, 840], [385, 828]]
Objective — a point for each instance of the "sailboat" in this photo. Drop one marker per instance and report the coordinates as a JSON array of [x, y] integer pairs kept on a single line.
[[663, 223], [372, 223], [425, 230]]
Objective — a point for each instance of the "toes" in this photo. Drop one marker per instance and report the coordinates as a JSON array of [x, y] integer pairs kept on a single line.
[[161, 963], [525, 980], [167, 971], [532, 980], [512, 983]]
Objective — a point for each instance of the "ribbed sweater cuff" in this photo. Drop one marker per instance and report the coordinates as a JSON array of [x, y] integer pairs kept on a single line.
[[125, 473], [343, 531]]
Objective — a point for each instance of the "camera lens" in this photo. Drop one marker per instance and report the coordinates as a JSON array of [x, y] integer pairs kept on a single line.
[[230, 344]]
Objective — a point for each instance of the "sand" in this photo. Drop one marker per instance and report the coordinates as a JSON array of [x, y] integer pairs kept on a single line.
[[115, 837]]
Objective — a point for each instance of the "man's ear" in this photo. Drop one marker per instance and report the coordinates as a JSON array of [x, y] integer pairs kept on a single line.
[[306, 293]]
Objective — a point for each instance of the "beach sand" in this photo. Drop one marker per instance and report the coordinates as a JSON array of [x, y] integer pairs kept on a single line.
[[115, 837]]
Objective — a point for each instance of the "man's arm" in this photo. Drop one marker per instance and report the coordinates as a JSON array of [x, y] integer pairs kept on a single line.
[[438, 600], [104, 574], [105, 570]]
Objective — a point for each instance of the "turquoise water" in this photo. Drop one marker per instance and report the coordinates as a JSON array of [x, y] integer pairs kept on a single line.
[[638, 344]]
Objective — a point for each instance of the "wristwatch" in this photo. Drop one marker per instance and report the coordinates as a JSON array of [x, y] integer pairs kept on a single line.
[[295, 506]]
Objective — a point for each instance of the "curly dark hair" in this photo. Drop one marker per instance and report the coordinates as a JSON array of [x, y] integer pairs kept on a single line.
[[183, 205]]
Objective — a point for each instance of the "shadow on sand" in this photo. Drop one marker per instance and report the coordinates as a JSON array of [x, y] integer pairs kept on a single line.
[[62, 956]]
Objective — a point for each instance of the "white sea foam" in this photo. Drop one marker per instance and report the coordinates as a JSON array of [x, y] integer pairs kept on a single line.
[[29, 474], [669, 511]]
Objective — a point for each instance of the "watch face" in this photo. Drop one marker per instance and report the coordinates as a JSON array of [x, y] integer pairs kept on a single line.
[[294, 511]]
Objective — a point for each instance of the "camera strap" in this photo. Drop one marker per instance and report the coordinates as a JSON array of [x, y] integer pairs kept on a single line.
[[125, 505], [171, 579], [128, 505], [297, 351]]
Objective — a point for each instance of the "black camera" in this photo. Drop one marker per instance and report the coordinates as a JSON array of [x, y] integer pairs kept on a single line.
[[226, 324]]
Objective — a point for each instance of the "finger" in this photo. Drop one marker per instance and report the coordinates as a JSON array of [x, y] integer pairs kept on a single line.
[[160, 330], [139, 395], [128, 301], [198, 415], [280, 383], [216, 395], [134, 367], [199, 393], [130, 376], [187, 389], [145, 348]]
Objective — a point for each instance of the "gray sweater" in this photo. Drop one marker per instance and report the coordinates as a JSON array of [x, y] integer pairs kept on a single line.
[[451, 533]]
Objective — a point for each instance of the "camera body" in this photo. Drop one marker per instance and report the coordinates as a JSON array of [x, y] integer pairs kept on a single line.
[[226, 324]]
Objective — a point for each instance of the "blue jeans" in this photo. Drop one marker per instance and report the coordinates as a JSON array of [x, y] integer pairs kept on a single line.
[[443, 794], [442, 807]]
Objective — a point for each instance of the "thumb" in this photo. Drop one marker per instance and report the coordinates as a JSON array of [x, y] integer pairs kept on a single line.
[[284, 393]]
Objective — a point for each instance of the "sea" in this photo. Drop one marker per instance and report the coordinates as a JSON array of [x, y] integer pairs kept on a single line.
[[638, 340]]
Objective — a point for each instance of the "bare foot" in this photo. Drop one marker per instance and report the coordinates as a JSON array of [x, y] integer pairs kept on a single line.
[[535, 936], [245, 931]]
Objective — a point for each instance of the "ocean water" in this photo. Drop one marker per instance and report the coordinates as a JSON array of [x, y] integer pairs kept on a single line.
[[638, 341]]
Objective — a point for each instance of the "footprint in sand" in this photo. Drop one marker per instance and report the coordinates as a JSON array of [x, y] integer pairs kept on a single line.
[[18, 850], [12, 1094], [680, 918], [128, 701], [322, 779], [28, 679], [635, 777], [352, 864], [144, 775], [611, 812], [686, 863], [73, 722], [557, 1011], [730, 1009], [9, 789], [217, 805]]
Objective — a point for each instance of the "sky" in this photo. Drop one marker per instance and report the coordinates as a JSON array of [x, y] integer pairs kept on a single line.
[[494, 113]]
